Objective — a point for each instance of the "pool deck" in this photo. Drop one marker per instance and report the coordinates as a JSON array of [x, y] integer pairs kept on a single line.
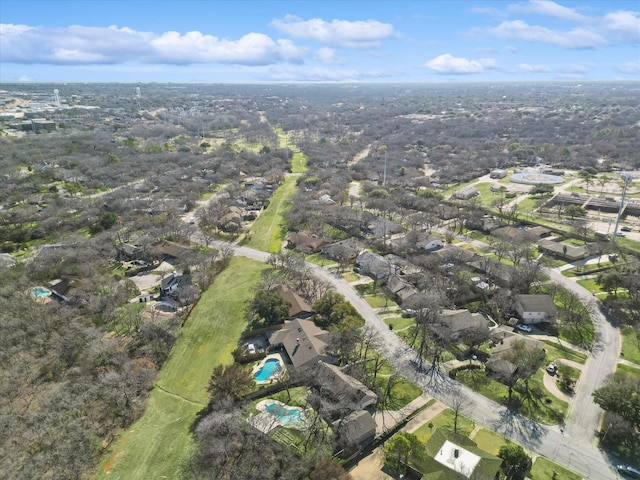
[[265, 422], [264, 360]]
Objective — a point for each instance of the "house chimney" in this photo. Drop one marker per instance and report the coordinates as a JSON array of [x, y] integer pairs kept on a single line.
[[175, 274], [456, 453]]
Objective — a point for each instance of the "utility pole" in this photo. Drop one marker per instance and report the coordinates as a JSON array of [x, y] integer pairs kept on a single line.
[[384, 175], [627, 179]]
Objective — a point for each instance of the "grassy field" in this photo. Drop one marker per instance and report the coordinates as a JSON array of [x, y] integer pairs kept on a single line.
[[269, 229], [543, 469], [630, 345], [444, 421], [556, 350], [490, 441], [539, 404], [154, 446]]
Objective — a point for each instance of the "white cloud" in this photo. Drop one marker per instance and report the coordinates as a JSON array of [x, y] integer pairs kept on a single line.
[[625, 25], [328, 56], [362, 33], [97, 45], [576, 38], [448, 64], [534, 68], [551, 9], [314, 74], [632, 68]]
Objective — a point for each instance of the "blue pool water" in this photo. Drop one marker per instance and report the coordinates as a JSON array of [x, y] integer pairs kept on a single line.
[[284, 415], [40, 292], [270, 368]]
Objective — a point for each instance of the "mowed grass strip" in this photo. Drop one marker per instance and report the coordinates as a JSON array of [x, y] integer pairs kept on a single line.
[[155, 445], [269, 229]]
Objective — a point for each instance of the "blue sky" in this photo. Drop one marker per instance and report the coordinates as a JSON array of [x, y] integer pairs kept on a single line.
[[311, 41]]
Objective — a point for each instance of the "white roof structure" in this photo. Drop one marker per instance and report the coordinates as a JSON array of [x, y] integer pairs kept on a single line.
[[457, 458]]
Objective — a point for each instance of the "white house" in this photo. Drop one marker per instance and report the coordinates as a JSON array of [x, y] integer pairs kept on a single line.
[[534, 309], [430, 244]]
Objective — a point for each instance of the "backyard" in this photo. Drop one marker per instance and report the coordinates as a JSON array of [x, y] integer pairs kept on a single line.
[[157, 443]]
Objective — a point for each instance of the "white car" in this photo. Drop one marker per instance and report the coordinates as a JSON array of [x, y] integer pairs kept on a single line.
[[524, 328], [552, 368]]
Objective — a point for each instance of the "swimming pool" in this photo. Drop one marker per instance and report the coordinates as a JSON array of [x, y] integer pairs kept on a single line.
[[284, 415], [269, 369], [39, 292]]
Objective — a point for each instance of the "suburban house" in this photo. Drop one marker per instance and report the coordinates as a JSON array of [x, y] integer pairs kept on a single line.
[[534, 309], [374, 266], [172, 284], [344, 251], [231, 220], [382, 228], [6, 260], [171, 251], [485, 223], [498, 173], [446, 212], [344, 387], [565, 251], [452, 456], [466, 193], [399, 290], [430, 244], [503, 341], [60, 289], [299, 306], [458, 322], [305, 243], [128, 251], [358, 429], [303, 342]]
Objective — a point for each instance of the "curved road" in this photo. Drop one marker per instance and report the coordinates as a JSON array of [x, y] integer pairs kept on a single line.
[[573, 449]]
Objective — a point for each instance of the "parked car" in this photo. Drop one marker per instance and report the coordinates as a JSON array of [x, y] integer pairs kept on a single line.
[[626, 229], [628, 472], [524, 328], [620, 234], [552, 368]]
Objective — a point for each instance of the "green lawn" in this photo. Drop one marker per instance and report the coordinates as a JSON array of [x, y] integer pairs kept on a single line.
[[269, 229], [155, 445], [298, 162], [556, 350], [319, 259], [628, 370], [630, 344], [539, 404], [543, 469], [490, 441], [380, 301], [402, 393], [400, 323], [444, 421]]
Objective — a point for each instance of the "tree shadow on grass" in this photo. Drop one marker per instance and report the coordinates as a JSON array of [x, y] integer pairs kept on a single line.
[[516, 426]]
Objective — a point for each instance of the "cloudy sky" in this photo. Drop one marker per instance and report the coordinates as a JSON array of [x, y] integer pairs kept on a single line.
[[313, 41]]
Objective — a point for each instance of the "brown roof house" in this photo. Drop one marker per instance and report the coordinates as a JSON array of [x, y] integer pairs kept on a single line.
[[357, 430], [171, 251], [344, 251], [374, 266], [497, 366], [305, 243], [344, 387], [299, 306], [304, 343], [457, 322], [534, 309], [566, 251]]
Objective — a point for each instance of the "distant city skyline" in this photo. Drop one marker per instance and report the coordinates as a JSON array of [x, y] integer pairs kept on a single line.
[[310, 41]]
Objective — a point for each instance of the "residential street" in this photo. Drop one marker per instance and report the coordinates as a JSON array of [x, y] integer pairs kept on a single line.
[[575, 448]]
